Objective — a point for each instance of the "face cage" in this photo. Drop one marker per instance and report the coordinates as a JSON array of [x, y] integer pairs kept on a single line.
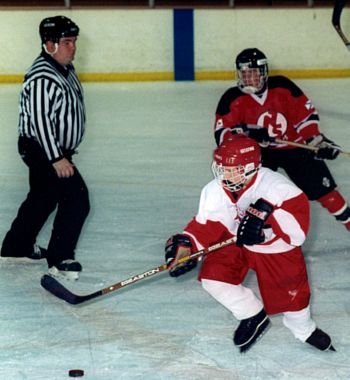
[[249, 89], [233, 178]]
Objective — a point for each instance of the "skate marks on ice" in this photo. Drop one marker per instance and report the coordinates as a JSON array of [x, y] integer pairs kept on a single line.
[[144, 174]]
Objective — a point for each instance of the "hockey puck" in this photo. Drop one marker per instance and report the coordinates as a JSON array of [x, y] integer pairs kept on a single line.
[[76, 373]]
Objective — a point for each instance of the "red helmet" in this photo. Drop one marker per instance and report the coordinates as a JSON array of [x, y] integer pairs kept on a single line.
[[236, 160]]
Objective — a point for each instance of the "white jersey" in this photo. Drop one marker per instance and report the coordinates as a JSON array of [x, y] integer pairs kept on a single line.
[[220, 213]]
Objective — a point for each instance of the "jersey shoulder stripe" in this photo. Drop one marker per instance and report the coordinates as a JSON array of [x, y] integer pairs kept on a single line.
[[279, 81], [227, 98]]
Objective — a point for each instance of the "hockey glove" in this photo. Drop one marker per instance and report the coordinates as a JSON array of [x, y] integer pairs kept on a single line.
[[177, 247], [327, 149], [255, 132], [250, 230]]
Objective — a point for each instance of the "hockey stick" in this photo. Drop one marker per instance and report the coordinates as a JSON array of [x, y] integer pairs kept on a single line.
[[58, 290], [305, 146], [338, 8]]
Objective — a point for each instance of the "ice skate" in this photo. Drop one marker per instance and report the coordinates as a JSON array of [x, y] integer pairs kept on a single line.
[[37, 253], [320, 340], [250, 330], [66, 270]]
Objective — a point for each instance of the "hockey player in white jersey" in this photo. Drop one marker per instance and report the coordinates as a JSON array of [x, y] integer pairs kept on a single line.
[[269, 215]]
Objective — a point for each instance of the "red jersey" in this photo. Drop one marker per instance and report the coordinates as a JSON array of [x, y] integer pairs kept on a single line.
[[282, 108]]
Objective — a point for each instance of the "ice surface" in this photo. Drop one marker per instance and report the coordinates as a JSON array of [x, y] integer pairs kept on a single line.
[[145, 158]]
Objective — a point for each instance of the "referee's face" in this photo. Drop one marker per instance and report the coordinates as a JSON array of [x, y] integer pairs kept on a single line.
[[65, 52]]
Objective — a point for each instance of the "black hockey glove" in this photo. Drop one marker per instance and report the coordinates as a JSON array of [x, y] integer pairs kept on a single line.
[[250, 230], [177, 247], [256, 132], [327, 149]]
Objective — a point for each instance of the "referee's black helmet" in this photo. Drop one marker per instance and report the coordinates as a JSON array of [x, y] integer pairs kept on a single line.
[[54, 28]]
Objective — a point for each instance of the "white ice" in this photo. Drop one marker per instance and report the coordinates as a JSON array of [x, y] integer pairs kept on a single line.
[[145, 158]]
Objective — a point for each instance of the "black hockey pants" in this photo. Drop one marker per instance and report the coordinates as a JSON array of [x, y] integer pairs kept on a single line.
[[46, 192], [308, 173]]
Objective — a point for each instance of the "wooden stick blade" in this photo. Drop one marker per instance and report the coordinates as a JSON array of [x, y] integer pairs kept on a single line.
[[57, 289]]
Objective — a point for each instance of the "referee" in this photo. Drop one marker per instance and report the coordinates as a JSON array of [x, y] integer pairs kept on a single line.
[[51, 126]]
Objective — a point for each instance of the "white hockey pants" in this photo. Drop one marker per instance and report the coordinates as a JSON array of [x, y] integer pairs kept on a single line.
[[243, 304], [240, 300]]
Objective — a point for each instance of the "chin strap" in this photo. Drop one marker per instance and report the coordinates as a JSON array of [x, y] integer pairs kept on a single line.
[[51, 53]]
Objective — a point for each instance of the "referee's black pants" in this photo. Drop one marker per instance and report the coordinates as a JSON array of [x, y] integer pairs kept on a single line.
[[46, 193]]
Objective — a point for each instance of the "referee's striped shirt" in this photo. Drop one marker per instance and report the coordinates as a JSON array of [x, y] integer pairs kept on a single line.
[[52, 107]]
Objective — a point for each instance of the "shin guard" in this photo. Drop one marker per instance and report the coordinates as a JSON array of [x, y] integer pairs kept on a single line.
[[337, 206]]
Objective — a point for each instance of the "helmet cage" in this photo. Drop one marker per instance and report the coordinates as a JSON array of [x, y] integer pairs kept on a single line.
[[252, 80], [246, 64], [233, 178]]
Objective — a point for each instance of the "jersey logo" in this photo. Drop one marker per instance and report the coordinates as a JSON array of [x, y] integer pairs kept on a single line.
[[275, 122], [309, 105], [219, 124]]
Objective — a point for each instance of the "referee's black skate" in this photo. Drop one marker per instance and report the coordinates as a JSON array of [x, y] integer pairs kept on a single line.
[[66, 270], [250, 330], [38, 253], [320, 340]]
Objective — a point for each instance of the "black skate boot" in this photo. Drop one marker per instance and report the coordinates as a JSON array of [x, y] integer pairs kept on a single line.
[[38, 253], [250, 330], [320, 340], [66, 270]]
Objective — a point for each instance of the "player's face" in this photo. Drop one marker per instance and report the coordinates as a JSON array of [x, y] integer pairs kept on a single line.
[[250, 77], [233, 174], [65, 51]]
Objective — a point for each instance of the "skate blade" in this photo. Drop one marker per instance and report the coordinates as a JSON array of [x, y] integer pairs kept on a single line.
[[63, 275], [17, 260], [331, 348]]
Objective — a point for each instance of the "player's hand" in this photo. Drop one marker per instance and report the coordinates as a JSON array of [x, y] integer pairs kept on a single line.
[[64, 168], [256, 132], [250, 230], [326, 149], [177, 247]]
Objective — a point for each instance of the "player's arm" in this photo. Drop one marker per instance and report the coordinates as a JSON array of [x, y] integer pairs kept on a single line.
[[45, 96], [289, 221], [226, 115], [200, 232], [299, 110]]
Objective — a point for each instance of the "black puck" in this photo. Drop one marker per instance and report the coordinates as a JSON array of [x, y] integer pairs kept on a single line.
[[76, 373]]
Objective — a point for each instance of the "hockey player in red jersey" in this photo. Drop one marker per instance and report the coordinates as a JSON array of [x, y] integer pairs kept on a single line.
[[272, 107], [269, 215]]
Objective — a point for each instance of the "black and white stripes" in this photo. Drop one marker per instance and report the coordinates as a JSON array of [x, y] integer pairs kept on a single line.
[[52, 107]]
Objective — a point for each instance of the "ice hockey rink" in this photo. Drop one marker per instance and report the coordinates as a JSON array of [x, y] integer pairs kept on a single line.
[[145, 157]]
